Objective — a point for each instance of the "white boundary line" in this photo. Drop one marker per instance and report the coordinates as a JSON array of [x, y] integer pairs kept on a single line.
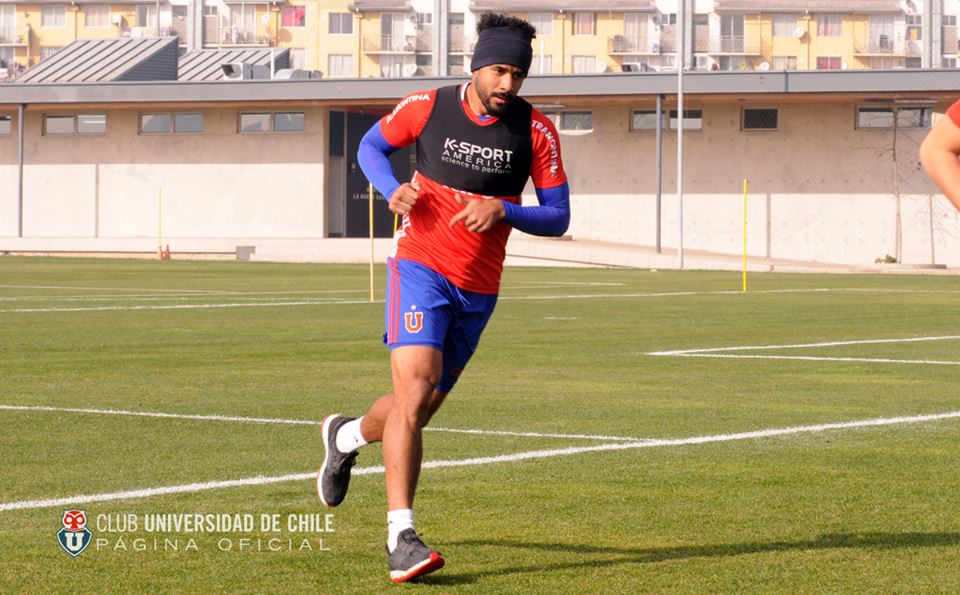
[[520, 456], [299, 422], [331, 302], [715, 352]]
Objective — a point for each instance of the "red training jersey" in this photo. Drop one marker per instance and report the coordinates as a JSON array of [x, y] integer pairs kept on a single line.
[[471, 261], [954, 113]]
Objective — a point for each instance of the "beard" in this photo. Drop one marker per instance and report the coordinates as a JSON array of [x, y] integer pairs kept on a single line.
[[493, 108]]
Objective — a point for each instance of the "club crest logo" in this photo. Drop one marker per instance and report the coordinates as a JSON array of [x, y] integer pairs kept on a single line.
[[74, 537], [413, 321]]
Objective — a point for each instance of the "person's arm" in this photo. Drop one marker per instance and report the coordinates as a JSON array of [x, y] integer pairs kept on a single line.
[[550, 218], [373, 155], [938, 154]]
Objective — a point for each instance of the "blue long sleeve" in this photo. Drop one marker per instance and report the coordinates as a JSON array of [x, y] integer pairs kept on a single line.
[[550, 218], [373, 157]]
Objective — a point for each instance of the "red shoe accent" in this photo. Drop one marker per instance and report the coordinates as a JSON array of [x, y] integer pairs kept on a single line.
[[434, 562]]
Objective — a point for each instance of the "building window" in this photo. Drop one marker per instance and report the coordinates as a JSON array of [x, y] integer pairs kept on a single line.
[[829, 25], [293, 16], [393, 66], [584, 23], [643, 119], [949, 62], [884, 63], [882, 117], [733, 63], [754, 118], [53, 15], [829, 63], [58, 124], [69, 124], [542, 21], [179, 123], [258, 122], [784, 63], [914, 27], [288, 122], [96, 15], [455, 66], [298, 58], [341, 23], [424, 64], [576, 121], [154, 123], [91, 123], [188, 123], [692, 119], [340, 65], [584, 64], [541, 65], [6, 124], [267, 122], [784, 25], [146, 16]]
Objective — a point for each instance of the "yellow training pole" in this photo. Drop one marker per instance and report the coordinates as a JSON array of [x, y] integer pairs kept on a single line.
[[160, 225], [744, 234], [370, 195]]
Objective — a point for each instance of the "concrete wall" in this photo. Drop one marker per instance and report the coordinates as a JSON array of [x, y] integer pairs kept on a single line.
[[818, 188], [218, 184]]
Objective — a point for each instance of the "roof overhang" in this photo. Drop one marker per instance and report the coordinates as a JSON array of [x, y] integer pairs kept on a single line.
[[597, 89]]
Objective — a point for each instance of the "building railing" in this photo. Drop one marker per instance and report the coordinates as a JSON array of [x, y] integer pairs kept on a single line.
[[622, 44], [881, 45], [13, 36], [390, 43], [736, 45]]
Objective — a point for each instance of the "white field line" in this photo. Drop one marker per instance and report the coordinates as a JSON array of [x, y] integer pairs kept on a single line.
[[331, 302], [172, 295], [192, 293], [810, 358], [508, 458], [723, 352], [299, 422], [190, 306], [104, 288]]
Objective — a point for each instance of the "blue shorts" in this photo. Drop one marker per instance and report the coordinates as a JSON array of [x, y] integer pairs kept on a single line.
[[423, 308]]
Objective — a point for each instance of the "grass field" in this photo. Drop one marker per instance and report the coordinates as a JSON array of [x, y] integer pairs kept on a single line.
[[617, 444]]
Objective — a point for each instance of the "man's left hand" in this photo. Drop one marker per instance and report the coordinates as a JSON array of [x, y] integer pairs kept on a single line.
[[478, 214]]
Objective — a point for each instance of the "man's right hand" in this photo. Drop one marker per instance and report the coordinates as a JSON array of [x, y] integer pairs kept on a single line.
[[404, 197]]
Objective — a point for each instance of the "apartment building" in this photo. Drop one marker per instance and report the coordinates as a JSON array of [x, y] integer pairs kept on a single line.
[[405, 38]]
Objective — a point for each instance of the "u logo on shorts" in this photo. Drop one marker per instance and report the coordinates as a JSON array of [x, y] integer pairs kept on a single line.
[[413, 321]]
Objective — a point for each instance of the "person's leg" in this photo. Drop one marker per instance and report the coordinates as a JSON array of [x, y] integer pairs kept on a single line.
[[373, 421], [416, 370]]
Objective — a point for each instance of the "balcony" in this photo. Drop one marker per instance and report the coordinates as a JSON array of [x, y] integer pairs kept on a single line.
[[9, 36], [621, 44], [735, 45], [389, 44], [241, 36], [881, 45]]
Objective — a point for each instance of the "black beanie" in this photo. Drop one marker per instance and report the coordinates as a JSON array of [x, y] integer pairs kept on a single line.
[[502, 45]]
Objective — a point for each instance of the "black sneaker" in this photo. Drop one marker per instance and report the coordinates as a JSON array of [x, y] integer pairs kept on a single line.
[[333, 478], [411, 558]]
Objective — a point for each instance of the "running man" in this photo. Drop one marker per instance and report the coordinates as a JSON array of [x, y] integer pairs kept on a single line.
[[939, 153], [477, 144]]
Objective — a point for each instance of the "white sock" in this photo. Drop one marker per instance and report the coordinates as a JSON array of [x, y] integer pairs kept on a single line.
[[349, 437], [397, 521]]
